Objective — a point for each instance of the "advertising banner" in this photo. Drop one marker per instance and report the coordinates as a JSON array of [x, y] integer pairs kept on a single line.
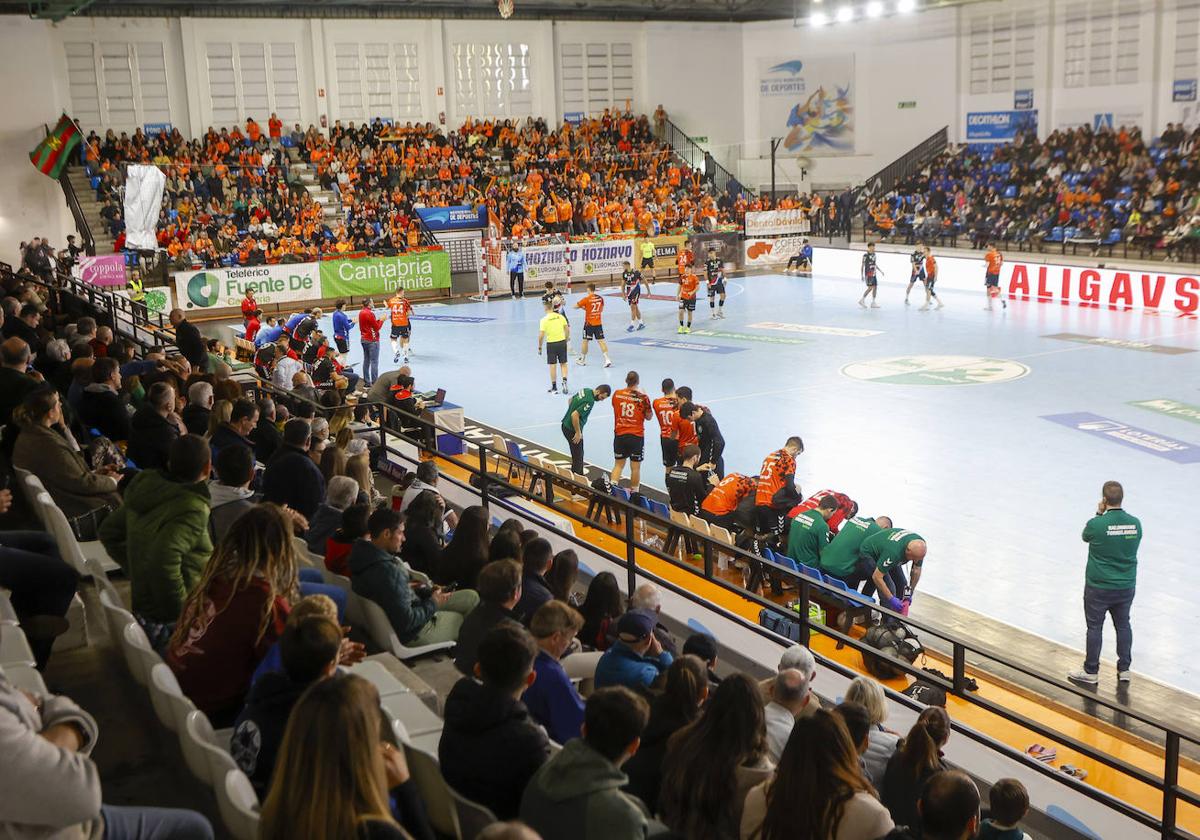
[[726, 244], [666, 248], [1183, 90], [808, 101], [219, 288], [771, 251], [458, 217], [587, 259], [1065, 284], [776, 222], [1023, 99], [1000, 125], [104, 270], [384, 275]]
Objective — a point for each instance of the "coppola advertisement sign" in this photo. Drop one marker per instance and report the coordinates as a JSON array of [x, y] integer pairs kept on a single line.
[[102, 270]]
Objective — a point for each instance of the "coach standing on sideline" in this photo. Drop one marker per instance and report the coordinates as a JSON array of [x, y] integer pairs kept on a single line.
[[369, 325], [1113, 537]]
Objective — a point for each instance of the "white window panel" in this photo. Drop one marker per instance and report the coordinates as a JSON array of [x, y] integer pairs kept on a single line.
[[492, 80], [83, 83], [407, 69], [595, 76], [285, 81], [1187, 39]]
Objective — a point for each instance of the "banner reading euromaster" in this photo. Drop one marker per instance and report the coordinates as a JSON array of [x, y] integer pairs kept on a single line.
[[383, 275], [220, 288]]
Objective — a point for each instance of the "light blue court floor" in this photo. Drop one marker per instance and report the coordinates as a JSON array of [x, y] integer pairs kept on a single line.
[[977, 429]]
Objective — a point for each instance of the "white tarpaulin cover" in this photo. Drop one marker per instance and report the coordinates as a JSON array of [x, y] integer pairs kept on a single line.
[[143, 201]]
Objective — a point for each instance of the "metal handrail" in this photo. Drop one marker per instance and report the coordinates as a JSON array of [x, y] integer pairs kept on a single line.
[[630, 513], [81, 223], [689, 151], [909, 163], [392, 419]]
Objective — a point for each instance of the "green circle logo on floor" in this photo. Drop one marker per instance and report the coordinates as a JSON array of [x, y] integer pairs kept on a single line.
[[937, 370], [203, 288]]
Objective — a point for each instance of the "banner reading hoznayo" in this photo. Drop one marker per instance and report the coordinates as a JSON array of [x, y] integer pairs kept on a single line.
[[666, 249], [220, 288], [384, 275]]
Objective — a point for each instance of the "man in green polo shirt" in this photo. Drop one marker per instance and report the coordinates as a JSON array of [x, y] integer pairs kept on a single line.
[[573, 421], [1113, 537], [808, 534], [840, 558], [883, 556]]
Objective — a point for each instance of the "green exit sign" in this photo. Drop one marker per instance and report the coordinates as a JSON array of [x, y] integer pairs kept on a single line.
[[908, 103], [699, 139]]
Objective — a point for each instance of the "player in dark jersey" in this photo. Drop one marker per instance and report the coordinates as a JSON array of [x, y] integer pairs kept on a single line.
[[714, 271], [917, 258], [553, 297], [870, 272], [631, 289]]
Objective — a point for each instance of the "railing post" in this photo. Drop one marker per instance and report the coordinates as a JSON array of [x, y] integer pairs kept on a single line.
[[1170, 782], [805, 591], [484, 480], [708, 560], [630, 555], [960, 668]]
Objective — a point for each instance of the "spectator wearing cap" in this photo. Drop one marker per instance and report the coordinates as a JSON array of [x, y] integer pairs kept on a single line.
[[636, 659], [648, 598], [704, 647]]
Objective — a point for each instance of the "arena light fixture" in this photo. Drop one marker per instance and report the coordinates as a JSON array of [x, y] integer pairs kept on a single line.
[[845, 14], [818, 19], [874, 9], [903, 6]]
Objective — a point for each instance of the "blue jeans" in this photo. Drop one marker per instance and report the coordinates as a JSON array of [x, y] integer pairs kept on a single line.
[[132, 823], [1096, 604], [370, 371]]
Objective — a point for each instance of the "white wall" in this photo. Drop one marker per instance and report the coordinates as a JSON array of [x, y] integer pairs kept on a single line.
[[30, 203]]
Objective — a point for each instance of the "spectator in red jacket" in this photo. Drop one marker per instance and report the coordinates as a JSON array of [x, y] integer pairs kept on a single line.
[[249, 305], [369, 325]]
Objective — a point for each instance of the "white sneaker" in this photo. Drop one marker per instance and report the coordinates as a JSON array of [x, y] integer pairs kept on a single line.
[[1124, 676], [608, 362], [923, 308], [582, 362], [906, 303], [1083, 677], [940, 304], [863, 305], [874, 305]]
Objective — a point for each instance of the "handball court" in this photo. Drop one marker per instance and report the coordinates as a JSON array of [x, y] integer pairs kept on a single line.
[[990, 433]]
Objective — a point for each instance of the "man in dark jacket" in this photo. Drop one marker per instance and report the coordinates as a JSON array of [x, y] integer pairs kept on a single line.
[[154, 428], [490, 746], [308, 649], [378, 575], [15, 383], [538, 557], [101, 407], [25, 327], [243, 417], [266, 434], [198, 410], [712, 442], [291, 478], [499, 586], [189, 341]]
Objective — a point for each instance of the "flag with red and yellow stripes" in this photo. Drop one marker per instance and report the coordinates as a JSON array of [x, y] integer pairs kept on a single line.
[[52, 154]]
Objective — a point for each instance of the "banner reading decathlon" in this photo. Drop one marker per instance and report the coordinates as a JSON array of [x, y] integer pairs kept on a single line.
[[808, 101], [776, 222], [379, 275], [219, 288]]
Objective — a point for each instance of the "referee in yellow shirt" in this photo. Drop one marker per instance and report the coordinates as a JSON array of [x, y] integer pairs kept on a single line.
[[555, 331]]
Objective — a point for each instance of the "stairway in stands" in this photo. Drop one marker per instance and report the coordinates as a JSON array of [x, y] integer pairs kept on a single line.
[[91, 209], [328, 200]]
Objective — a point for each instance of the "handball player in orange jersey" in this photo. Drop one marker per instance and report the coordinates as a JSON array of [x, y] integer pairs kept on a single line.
[[593, 325]]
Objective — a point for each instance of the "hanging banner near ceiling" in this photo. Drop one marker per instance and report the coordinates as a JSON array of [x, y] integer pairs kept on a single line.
[[808, 101]]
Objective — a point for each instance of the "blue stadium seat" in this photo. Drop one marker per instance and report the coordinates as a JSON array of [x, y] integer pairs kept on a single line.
[[286, 142], [1010, 191], [1055, 235], [1062, 815], [696, 627], [851, 594], [1114, 236], [659, 508], [620, 493]]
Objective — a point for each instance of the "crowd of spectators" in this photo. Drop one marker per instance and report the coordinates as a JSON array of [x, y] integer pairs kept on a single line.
[[235, 196], [1096, 187]]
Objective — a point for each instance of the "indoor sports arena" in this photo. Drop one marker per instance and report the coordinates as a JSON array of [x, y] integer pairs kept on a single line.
[[599, 420]]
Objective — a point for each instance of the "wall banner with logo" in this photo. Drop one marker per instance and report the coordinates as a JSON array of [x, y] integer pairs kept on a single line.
[[1000, 125], [102, 270], [771, 251], [221, 288], [726, 244], [666, 249], [598, 258], [458, 217], [808, 101], [383, 275], [776, 222]]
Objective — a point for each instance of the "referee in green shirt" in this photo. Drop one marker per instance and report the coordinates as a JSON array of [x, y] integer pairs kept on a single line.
[[1113, 537], [573, 421]]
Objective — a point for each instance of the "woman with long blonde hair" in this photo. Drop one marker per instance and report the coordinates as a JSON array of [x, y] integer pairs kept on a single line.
[[333, 459], [358, 467], [222, 411], [236, 612], [335, 769]]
